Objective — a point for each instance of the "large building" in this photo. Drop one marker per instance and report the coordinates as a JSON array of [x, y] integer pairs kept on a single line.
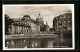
[[27, 25], [24, 25], [63, 22]]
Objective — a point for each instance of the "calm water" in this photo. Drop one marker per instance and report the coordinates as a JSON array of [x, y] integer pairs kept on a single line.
[[39, 43]]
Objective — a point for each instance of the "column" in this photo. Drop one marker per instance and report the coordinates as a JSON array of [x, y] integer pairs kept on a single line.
[[18, 29], [25, 30], [22, 29], [15, 29]]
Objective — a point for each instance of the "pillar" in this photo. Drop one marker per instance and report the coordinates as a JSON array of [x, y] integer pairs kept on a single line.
[[20, 29], [13, 29], [16, 29]]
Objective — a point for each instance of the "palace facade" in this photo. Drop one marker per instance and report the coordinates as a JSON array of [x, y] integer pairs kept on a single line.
[[26, 25]]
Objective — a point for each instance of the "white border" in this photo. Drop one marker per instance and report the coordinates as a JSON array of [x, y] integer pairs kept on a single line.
[[73, 28]]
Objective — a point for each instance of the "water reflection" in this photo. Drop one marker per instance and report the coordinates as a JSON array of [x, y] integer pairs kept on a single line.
[[39, 42]]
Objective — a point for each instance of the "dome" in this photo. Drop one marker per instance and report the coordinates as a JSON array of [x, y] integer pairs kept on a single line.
[[26, 17], [39, 18]]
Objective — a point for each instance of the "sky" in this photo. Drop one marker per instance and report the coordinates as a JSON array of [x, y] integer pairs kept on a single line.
[[48, 12]]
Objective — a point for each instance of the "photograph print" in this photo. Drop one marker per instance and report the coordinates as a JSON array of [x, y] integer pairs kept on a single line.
[[38, 27]]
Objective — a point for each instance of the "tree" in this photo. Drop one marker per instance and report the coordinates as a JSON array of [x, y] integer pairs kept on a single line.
[[8, 23], [43, 28], [51, 29]]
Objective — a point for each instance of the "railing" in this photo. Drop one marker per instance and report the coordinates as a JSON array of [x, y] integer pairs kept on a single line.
[[17, 36]]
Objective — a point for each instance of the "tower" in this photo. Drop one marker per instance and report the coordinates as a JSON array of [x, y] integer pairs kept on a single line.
[[39, 19]]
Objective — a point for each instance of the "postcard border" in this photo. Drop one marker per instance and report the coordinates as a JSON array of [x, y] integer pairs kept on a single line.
[[73, 28]]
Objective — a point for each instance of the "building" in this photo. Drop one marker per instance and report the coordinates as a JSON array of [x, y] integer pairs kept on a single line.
[[63, 22], [26, 25], [39, 20]]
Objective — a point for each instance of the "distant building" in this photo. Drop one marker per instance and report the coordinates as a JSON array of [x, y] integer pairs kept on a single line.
[[63, 22], [39, 20]]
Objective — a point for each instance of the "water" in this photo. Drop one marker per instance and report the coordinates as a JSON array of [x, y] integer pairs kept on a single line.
[[56, 42]]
